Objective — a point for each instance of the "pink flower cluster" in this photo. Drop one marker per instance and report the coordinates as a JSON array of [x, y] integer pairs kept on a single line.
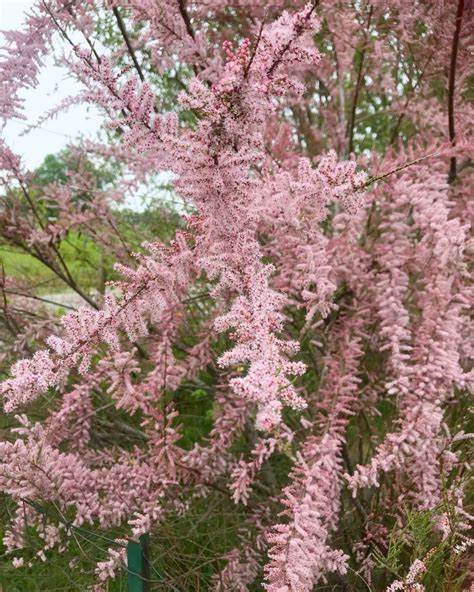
[[320, 315]]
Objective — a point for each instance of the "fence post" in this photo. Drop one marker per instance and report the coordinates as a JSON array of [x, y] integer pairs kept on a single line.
[[138, 565]]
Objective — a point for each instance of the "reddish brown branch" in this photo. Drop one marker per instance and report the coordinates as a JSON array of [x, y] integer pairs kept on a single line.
[[185, 16], [288, 45], [350, 129], [126, 38], [397, 169], [451, 85]]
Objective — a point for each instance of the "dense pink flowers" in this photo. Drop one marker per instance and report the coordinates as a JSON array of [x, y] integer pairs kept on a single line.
[[318, 313]]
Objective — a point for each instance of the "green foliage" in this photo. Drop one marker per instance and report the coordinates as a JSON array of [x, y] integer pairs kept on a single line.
[[81, 255], [155, 222], [57, 168], [419, 538], [55, 573]]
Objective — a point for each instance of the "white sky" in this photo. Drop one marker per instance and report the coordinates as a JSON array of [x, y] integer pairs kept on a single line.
[[54, 85], [53, 134]]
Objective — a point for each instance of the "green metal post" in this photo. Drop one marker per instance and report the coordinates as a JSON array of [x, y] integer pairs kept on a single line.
[[137, 564]]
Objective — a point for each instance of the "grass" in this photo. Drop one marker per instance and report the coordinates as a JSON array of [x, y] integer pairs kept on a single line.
[[81, 255]]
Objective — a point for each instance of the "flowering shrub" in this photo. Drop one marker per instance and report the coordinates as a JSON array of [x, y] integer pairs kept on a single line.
[[289, 371]]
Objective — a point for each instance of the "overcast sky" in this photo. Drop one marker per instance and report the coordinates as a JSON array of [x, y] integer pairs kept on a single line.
[[54, 86], [55, 134]]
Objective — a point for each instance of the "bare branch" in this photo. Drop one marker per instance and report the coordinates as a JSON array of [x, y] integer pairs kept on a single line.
[[128, 43]]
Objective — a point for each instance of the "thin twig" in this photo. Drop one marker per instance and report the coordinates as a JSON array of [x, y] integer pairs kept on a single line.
[[287, 46], [397, 170], [128, 43], [46, 300], [259, 36]]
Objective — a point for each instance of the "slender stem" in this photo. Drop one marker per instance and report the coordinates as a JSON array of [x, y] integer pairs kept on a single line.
[[259, 36], [68, 277], [350, 130], [287, 46], [32, 296], [186, 19], [128, 43], [451, 85], [397, 169], [88, 41]]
